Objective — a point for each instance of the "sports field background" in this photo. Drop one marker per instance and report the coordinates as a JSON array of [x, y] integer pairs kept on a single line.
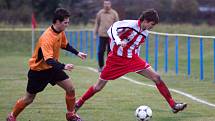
[[120, 98]]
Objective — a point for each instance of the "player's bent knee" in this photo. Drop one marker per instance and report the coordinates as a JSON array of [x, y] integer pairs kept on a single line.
[[156, 78], [28, 100], [68, 79], [97, 89], [70, 90], [100, 85]]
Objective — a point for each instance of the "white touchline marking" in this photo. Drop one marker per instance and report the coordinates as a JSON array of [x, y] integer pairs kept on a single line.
[[173, 90]]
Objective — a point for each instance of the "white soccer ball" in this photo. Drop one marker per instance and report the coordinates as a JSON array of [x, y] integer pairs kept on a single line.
[[143, 113]]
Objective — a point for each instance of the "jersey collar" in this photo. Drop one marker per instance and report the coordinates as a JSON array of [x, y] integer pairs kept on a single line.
[[54, 30]]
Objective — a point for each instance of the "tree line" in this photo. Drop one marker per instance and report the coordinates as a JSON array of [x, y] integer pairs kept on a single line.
[[84, 11]]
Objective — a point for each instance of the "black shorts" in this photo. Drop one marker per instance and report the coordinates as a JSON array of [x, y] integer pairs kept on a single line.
[[38, 80]]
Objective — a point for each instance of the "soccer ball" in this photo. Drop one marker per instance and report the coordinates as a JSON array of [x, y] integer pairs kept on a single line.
[[143, 113]]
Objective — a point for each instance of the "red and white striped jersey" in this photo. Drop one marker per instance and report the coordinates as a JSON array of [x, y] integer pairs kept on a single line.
[[129, 31]]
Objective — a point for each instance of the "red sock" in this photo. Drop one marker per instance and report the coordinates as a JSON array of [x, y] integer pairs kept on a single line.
[[88, 94], [70, 102], [165, 92], [19, 107]]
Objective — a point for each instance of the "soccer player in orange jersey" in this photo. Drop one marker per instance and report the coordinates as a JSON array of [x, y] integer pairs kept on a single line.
[[45, 67], [126, 36]]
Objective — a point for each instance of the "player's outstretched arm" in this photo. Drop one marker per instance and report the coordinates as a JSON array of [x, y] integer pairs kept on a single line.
[[81, 55], [71, 49]]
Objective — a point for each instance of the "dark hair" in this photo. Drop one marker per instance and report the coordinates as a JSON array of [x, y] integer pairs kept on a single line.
[[60, 14], [149, 15]]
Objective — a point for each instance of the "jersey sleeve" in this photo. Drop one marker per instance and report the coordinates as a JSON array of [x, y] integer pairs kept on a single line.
[[113, 30], [64, 40]]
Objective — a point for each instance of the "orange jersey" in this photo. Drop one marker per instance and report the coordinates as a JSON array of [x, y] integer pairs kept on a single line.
[[48, 46]]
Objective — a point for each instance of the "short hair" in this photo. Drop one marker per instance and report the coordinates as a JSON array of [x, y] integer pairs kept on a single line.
[[60, 14], [149, 15]]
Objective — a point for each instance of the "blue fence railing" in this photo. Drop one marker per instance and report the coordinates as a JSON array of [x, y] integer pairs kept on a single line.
[[202, 63]]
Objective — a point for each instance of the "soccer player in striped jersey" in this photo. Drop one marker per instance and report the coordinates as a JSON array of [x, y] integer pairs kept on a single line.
[[126, 36], [45, 67]]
